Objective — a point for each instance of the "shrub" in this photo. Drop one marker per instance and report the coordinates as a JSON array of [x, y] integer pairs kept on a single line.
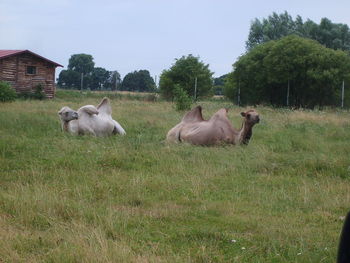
[[38, 92], [7, 93], [182, 100]]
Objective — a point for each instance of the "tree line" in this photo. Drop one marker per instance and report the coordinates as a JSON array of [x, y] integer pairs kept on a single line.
[[287, 63], [331, 35], [292, 63], [82, 74], [291, 71]]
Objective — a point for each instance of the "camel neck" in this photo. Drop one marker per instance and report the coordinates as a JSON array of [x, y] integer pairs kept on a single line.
[[245, 133], [65, 126]]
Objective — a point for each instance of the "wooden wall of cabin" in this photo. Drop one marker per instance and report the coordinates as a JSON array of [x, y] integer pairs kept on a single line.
[[14, 71], [8, 70]]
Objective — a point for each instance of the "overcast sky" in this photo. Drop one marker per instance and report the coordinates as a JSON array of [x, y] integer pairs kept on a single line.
[[128, 35]]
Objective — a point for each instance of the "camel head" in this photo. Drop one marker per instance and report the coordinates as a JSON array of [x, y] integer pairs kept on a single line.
[[251, 117], [66, 114]]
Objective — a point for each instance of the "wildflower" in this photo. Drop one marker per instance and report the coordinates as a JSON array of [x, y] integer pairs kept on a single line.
[[243, 248]]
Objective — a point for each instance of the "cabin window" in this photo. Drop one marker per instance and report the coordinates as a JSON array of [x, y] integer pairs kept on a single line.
[[31, 70]]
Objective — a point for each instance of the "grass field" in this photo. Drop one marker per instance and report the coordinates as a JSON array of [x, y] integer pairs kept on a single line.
[[137, 199]]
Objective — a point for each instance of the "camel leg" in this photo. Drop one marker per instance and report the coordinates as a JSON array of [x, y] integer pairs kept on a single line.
[[86, 131], [118, 128]]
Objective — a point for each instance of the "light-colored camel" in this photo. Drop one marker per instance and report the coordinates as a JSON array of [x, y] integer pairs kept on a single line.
[[91, 120], [218, 129]]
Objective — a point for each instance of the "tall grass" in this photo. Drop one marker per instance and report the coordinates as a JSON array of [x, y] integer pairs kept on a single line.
[[137, 199]]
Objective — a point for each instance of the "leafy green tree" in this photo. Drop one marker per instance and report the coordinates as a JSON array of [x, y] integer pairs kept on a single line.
[[78, 64], [220, 81], [138, 81], [69, 79], [312, 72], [82, 63], [230, 88], [93, 78], [219, 84], [184, 72], [335, 36], [98, 79], [114, 80]]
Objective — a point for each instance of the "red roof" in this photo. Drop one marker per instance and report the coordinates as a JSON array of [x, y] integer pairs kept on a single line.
[[8, 53]]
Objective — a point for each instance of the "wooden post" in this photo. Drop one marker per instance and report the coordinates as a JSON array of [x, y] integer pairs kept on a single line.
[[288, 94], [195, 89], [342, 95], [239, 94], [81, 82]]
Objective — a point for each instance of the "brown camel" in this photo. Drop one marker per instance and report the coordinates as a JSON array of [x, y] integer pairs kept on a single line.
[[218, 129]]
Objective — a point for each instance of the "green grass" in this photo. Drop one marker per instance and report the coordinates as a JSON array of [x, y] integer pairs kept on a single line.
[[137, 199]]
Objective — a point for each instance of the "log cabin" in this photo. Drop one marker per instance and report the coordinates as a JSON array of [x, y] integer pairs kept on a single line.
[[24, 71]]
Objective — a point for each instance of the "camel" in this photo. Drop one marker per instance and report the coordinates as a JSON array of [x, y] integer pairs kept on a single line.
[[344, 242], [91, 120], [218, 129]]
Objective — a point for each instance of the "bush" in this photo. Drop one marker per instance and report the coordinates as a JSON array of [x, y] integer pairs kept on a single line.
[[7, 93], [182, 100], [38, 92]]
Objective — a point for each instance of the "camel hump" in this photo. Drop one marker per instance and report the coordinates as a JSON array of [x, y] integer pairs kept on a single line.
[[105, 106], [89, 109], [194, 115], [222, 113]]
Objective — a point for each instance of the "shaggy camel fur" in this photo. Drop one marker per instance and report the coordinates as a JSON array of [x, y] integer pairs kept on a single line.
[[89, 119], [218, 129], [344, 243]]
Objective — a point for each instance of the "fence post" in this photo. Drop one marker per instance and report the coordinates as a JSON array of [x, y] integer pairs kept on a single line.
[[81, 82], [239, 94], [288, 94], [342, 95], [195, 88]]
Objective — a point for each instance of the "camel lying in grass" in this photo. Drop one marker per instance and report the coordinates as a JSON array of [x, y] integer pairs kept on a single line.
[[218, 129], [91, 120]]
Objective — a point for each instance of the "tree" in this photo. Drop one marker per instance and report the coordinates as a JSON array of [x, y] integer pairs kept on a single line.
[[219, 84], [312, 71], [78, 64], [114, 80], [98, 79], [184, 72], [138, 81], [230, 88], [220, 81], [69, 79], [331, 35], [93, 78], [272, 28], [82, 63]]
